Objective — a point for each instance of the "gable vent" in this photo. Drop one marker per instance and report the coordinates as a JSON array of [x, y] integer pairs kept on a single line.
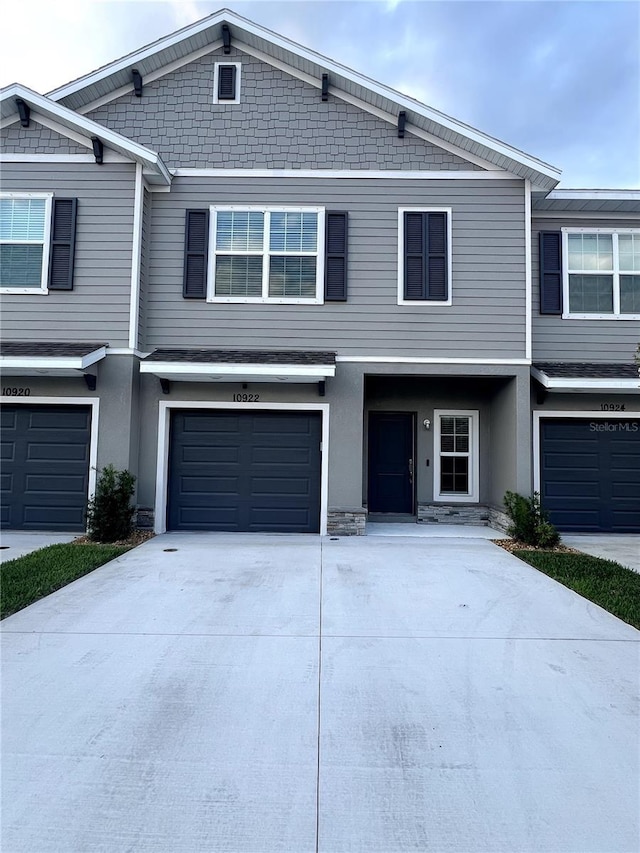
[[227, 82]]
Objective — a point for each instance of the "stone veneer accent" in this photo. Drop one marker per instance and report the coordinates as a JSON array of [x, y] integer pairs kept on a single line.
[[453, 514], [144, 518], [499, 519], [346, 522]]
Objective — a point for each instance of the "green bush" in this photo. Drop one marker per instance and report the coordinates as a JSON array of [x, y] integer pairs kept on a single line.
[[109, 513], [529, 521]]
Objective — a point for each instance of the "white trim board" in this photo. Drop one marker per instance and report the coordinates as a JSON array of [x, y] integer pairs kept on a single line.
[[349, 174], [381, 359], [136, 259], [473, 496], [585, 384], [267, 372], [539, 415], [53, 362], [94, 403], [162, 464], [528, 346], [109, 157]]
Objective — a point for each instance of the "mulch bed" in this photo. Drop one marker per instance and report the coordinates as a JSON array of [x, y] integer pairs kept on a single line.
[[512, 545], [136, 538]]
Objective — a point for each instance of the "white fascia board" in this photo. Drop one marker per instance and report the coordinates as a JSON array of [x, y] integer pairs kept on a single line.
[[382, 359], [323, 62], [602, 195], [23, 362], [347, 174], [584, 384], [312, 373], [49, 108]]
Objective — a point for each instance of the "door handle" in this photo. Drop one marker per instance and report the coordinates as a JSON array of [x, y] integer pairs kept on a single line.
[[411, 471]]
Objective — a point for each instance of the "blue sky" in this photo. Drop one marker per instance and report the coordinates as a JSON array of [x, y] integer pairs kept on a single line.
[[559, 80]]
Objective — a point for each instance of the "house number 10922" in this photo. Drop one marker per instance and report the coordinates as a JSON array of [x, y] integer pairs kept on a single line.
[[246, 398]]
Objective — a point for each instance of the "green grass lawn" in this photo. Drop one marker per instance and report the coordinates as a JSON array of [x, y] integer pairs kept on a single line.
[[604, 582], [26, 579]]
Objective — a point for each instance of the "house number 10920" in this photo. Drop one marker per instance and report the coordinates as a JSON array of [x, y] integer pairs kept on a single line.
[[16, 392], [246, 398]]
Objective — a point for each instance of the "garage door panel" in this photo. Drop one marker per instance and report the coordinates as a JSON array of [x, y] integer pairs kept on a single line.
[[45, 458], [590, 477], [57, 453], [58, 485], [262, 475]]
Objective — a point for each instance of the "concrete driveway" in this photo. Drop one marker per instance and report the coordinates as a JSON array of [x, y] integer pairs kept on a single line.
[[624, 548], [186, 700], [16, 543]]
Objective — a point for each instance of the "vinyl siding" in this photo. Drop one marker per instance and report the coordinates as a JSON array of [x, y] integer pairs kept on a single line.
[[37, 139], [280, 122], [486, 320], [555, 339], [97, 309]]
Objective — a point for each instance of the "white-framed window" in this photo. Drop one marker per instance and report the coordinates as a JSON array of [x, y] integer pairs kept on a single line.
[[456, 468], [25, 231], [601, 273], [273, 254], [226, 82], [424, 256]]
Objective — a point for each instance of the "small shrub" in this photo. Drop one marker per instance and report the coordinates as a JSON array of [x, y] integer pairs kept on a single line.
[[529, 521], [109, 513]]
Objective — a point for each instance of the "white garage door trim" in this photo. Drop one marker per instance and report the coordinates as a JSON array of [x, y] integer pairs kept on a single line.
[[541, 415], [162, 469], [94, 402]]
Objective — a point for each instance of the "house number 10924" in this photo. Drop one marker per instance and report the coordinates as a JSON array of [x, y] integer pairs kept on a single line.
[[612, 407], [246, 398]]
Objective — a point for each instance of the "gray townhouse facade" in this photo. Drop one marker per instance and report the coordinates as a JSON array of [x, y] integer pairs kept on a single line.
[[289, 299]]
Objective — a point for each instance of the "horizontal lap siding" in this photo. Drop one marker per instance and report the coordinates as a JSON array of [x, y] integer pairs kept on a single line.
[[486, 320], [555, 339], [97, 309]]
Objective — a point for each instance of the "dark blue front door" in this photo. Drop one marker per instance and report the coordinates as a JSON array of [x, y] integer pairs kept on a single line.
[[391, 462], [590, 473]]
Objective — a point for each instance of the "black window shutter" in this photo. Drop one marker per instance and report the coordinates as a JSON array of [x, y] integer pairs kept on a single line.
[[415, 239], [425, 257], [550, 272], [196, 244], [63, 243], [437, 288], [226, 82], [335, 266]]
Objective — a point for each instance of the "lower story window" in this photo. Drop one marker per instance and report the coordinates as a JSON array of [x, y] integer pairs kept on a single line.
[[456, 467]]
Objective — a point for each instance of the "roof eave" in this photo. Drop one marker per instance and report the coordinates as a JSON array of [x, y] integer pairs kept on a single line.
[[543, 176]]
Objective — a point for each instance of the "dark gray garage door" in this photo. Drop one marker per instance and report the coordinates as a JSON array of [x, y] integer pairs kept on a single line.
[[590, 474], [45, 467], [243, 471]]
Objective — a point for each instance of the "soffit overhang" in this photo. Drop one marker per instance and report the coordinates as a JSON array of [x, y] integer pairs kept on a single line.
[[217, 365]]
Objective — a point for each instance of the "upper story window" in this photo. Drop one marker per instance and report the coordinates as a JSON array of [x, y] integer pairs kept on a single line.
[[601, 275], [226, 82], [267, 255], [424, 256], [24, 242]]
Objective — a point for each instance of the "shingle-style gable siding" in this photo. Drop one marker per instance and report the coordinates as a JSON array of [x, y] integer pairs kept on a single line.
[[280, 122], [37, 139], [98, 306], [485, 320], [555, 339]]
